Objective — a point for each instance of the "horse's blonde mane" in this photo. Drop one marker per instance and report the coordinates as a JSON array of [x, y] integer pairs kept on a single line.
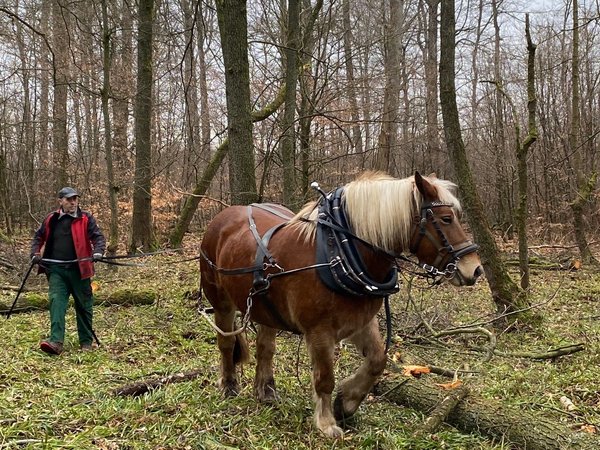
[[380, 208]]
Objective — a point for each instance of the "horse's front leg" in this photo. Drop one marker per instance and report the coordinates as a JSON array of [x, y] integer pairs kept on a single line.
[[320, 348], [355, 388], [264, 382]]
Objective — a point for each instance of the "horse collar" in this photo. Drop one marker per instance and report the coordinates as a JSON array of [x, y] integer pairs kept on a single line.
[[344, 270]]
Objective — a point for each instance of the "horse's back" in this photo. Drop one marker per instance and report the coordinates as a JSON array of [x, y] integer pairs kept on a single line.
[[229, 244], [231, 227]]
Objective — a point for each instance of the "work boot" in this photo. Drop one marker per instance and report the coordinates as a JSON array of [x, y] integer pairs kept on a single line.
[[52, 348], [86, 347]]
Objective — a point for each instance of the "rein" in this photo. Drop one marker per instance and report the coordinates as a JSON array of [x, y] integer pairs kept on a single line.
[[104, 259]]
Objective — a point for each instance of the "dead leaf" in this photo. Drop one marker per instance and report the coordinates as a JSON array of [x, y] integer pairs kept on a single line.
[[396, 357], [588, 429], [575, 264], [451, 385], [567, 403], [95, 286], [415, 371]]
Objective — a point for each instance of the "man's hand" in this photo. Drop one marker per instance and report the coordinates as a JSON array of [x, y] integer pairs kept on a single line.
[[35, 259], [97, 257]]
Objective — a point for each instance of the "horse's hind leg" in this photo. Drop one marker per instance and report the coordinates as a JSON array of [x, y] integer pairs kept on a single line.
[[320, 348], [264, 382], [355, 388], [234, 349]]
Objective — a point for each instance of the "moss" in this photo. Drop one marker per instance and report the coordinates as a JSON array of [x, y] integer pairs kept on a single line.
[[127, 297]]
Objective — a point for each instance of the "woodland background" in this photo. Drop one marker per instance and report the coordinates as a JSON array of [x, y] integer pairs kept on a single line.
[[131, 103], [364, 95]]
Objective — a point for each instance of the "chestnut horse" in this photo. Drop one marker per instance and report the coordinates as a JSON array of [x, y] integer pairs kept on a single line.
[[261, 260]]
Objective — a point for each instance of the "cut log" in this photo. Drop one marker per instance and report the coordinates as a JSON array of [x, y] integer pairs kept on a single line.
[[32, 301], [475, 415]]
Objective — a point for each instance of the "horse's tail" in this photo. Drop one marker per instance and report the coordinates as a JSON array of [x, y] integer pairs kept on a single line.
[[241, 352]]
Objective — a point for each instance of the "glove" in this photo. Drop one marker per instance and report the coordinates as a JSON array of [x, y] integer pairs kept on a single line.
[[97, 257], [35, 259]]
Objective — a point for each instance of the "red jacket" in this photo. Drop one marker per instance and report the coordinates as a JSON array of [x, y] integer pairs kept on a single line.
[[87, 239]]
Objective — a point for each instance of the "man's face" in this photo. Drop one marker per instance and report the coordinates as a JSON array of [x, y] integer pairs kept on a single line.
[[69, 205]]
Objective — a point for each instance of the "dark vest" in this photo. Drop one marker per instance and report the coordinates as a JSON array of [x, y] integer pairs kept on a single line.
[[61, 239]]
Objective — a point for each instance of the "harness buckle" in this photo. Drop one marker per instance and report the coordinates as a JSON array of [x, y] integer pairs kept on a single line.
[[450, 270], [274, 265]]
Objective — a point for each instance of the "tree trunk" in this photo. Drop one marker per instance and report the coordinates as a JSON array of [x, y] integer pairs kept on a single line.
[[473, 415], [388, 136], [306, 96], [193, 141], [204, 109], [431, 87], [522, 152], [357, 143], [142, 236], [505, 293], [503, 212], [60, 142], [585, 184], [233, 29], [122, 93], [288, 140], [113, 234]]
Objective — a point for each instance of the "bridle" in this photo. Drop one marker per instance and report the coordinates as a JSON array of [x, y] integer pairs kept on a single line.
[[446, 252]]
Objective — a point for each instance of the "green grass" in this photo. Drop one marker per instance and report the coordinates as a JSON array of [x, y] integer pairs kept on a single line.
[[67, 401]]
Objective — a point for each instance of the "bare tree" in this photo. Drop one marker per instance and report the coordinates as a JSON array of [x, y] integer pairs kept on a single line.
[[288, 141], [505, 293], [113, 234], [60, 141], [388, 136], [357, 141], [585, 182], [233, 29], [142, 235]]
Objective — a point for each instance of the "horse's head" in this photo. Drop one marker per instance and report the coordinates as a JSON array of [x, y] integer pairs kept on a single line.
[[438, 238]]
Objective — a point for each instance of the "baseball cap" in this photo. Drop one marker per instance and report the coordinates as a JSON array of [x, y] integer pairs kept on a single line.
[[67, 192]]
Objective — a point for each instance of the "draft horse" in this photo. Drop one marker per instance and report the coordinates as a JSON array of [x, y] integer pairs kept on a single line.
[[324, 273]]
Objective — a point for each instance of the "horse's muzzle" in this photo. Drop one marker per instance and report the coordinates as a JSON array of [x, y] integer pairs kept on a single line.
[[464, 277]]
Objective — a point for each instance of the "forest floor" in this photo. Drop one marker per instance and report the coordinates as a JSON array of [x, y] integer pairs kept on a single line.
[[68, 401]]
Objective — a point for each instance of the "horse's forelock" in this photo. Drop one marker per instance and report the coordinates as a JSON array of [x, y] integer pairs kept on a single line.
[[446, 193]]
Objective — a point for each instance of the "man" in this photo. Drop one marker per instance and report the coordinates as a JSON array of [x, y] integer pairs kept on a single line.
[[71, 235]]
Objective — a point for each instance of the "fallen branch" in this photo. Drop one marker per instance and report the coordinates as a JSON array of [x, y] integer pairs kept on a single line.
[[143, 387], [550, 354], [474, 415], [7, 287], [443, 410]]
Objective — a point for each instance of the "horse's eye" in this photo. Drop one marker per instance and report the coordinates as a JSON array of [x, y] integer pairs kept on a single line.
[[447, 220]]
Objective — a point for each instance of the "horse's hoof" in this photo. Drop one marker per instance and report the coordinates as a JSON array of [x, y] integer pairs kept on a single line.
[[333, 432], [230, 390], [340, 414], [268, 395]]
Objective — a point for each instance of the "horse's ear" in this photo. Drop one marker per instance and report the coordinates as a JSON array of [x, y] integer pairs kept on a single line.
[[426, 189], [432, 175]]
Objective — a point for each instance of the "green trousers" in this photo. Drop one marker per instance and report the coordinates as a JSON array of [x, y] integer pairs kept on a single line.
[[62, 283]]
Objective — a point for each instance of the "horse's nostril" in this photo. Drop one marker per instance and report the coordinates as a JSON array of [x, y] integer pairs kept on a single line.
[[478, 272]]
